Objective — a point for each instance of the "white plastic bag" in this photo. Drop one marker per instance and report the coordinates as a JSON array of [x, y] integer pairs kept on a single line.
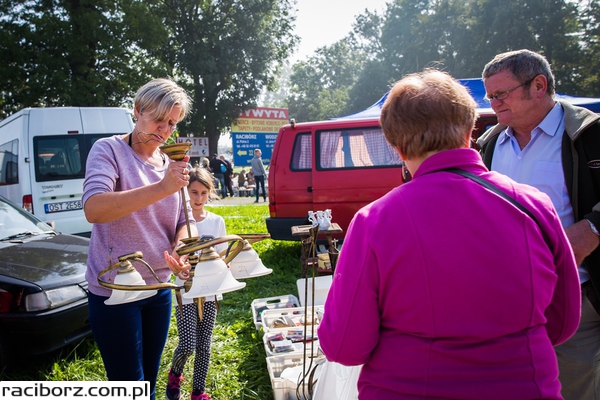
[[337, 382]]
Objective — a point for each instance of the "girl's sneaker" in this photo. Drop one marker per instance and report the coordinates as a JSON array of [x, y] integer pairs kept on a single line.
[[196, 395], [173, 392]]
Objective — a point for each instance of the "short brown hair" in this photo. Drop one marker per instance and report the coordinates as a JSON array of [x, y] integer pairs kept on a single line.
[[428, 111]]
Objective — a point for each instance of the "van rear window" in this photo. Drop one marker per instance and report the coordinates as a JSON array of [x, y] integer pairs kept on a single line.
[[9, 154], [62, 157], [302, 153], [355, 148]]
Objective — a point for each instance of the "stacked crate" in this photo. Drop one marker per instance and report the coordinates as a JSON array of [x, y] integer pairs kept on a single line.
[[290, 338]]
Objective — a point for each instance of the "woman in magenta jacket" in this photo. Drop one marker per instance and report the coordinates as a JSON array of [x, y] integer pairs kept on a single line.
[[443, 289]]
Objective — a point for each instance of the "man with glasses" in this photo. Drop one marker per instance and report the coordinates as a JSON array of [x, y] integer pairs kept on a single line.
[[555, 147]]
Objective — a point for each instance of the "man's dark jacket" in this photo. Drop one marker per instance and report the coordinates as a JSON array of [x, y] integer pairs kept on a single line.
[[581, 166], [215, 165]]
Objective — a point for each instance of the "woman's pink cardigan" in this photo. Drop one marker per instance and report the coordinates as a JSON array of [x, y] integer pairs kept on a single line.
[[444, 290]]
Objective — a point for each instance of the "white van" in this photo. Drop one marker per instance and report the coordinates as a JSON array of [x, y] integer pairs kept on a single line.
[[43, 152]]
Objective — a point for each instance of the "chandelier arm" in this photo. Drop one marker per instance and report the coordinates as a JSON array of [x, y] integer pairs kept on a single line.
[[154, 286], [195, 244], [237, 248], [254, 237]]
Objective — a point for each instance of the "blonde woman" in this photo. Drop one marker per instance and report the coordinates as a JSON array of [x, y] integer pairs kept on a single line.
[[132, 196]]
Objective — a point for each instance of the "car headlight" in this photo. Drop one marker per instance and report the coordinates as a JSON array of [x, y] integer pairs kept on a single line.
[[54, 298]]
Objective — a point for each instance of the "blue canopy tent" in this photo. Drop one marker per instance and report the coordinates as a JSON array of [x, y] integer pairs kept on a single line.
[[477, 90]]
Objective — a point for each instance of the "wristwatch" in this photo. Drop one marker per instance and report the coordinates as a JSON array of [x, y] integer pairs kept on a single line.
[[593, 227]]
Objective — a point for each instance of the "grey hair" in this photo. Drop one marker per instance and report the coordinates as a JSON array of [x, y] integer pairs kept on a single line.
[[524, 65], [159, 96]]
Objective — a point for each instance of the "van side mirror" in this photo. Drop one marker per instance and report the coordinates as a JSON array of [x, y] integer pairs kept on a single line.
[[52, 224]]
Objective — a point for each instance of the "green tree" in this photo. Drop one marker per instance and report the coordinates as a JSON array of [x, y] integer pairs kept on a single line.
[[590, 73], [320, 86], [226, 52], [376, 75], [460, 37], [279, 92], [76, 52], [550, 27], [404, 39]]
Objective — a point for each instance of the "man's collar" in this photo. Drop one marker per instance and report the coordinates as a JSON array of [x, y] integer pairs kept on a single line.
[[549, 125], [552, 122]]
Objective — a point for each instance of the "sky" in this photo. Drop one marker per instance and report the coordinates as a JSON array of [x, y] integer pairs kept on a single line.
[[323, 22]]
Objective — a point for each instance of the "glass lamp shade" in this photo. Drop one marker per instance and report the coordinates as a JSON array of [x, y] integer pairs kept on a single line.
[[211, 278], [130, 277], [248, 264]]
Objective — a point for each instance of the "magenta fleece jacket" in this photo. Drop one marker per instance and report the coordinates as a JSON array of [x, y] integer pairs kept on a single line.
[[113, 166], [444, 290]]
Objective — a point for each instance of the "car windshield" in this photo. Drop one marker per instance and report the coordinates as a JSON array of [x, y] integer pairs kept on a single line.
[[16, 223]]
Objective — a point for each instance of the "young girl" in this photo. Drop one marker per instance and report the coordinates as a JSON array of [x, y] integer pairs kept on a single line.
[[193, 334]]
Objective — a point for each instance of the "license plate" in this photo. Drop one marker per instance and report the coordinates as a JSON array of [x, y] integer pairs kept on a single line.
[[63, 206]]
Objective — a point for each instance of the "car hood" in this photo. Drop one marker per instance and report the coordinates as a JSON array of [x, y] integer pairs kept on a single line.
[[47, 261]]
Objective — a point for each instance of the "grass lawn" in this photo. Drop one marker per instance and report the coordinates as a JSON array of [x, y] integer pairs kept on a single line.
[[238, 368]]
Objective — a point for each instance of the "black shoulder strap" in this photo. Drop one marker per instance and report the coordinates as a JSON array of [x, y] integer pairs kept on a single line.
[[487, 151], [499, 192]]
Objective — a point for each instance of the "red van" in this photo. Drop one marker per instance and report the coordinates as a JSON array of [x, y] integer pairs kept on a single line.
[[341, 165]]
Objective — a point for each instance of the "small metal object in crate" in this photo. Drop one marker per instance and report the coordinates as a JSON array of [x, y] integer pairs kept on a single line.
[[271, 303], [290, 341], [283, 319]]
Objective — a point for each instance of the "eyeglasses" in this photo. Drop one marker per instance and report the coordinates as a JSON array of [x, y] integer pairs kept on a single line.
[[504, 95]]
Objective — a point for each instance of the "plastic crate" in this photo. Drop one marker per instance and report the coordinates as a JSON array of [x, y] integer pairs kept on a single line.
[[296, 347], [271, 303], [285, 389], [294, 317], [322, 285]]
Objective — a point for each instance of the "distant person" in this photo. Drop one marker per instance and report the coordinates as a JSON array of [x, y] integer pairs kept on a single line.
[[250, 177], [242, 178], [219, 168], [234, 184], [250, 183], [259, 173], [471, 301], [206, 166], [132, 196], [195, 335], [555, 147], [228, 174]]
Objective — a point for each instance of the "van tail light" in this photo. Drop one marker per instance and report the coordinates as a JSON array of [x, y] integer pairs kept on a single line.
[[28, 203], [272, 212]]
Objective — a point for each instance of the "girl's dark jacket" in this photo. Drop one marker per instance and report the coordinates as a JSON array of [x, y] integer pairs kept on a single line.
[[581, 166]]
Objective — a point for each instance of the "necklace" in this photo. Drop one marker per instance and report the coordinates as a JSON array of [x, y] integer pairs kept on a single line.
[[131, 145]]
